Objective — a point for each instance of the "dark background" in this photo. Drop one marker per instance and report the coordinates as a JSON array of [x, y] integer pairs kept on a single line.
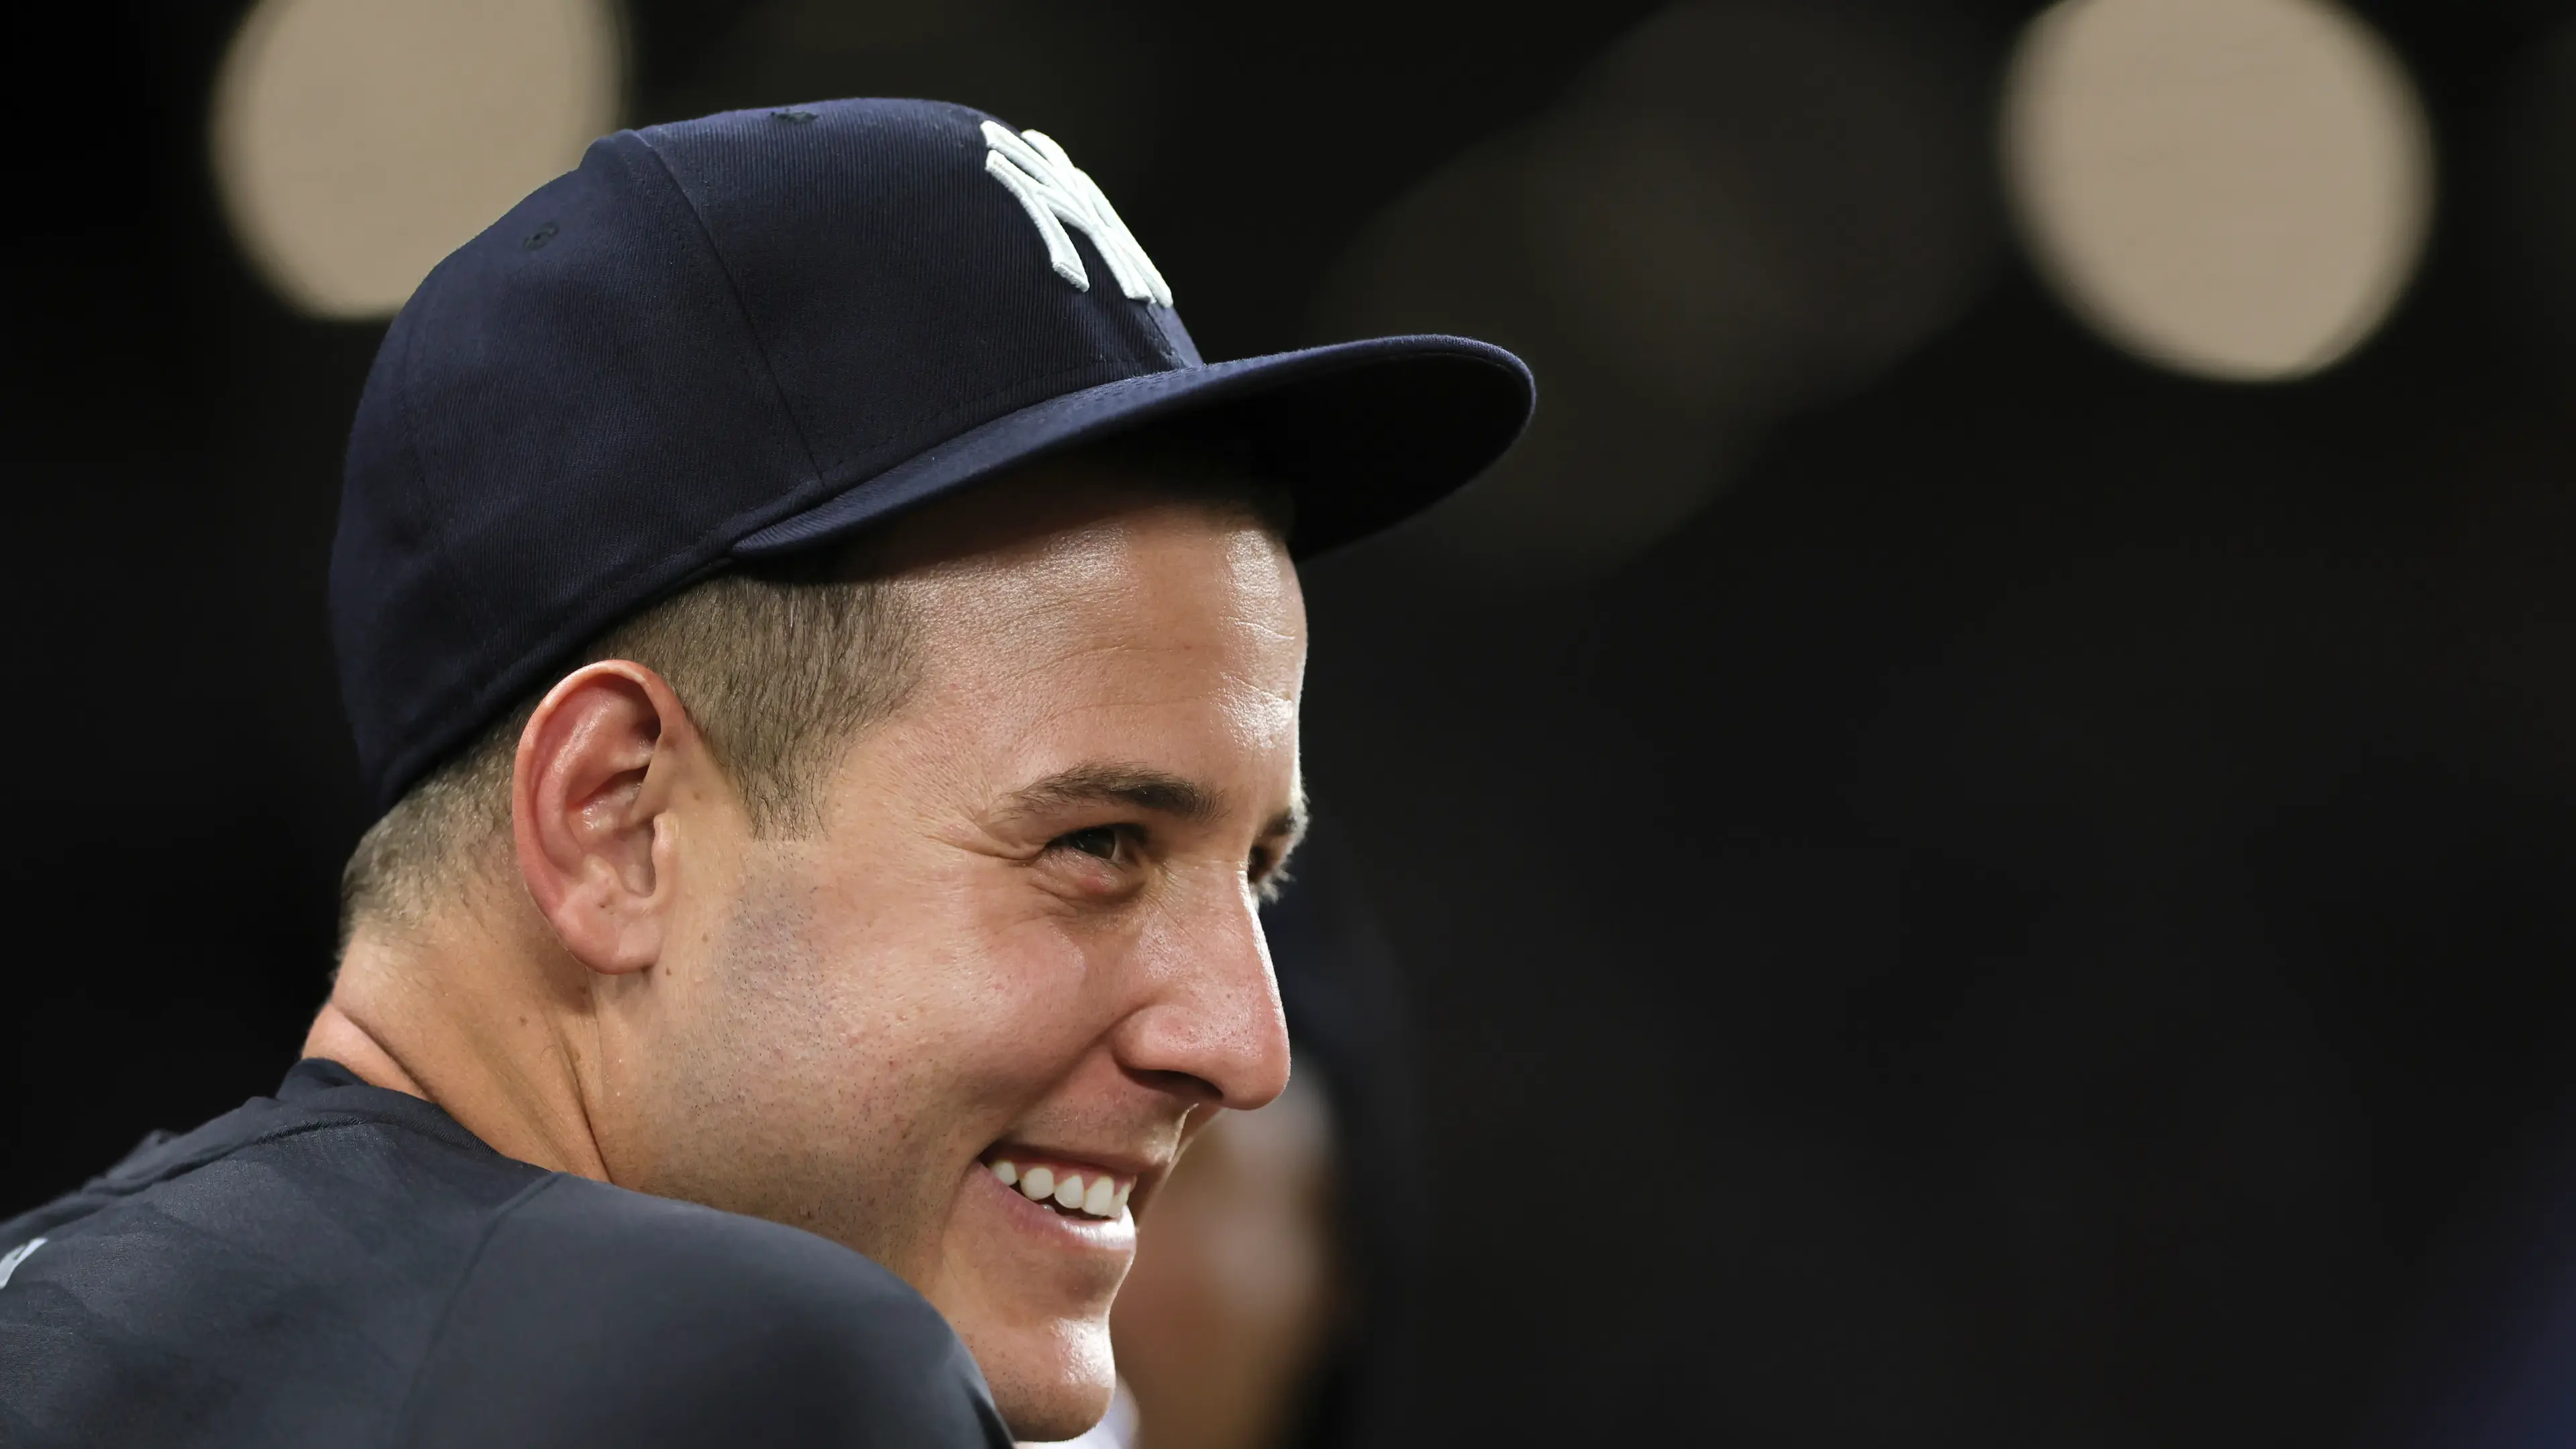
[[2039, 915]]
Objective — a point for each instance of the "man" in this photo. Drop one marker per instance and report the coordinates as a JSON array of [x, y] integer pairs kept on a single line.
[[829, 653]]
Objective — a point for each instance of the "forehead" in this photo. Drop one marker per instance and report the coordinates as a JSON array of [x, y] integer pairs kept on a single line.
[[1173, 573], [1089, 542], [1108, 608]]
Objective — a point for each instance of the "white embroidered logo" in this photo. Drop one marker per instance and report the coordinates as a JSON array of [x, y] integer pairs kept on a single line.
[[10, 1260], [1054, 191]]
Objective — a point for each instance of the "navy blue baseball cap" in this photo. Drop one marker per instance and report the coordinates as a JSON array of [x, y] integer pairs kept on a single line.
[[738, 337]]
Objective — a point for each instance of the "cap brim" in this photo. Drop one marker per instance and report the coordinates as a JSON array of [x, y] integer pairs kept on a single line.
[[1364, 433]]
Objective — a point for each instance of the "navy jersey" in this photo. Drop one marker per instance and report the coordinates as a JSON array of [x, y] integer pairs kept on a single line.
[[345, 1265]]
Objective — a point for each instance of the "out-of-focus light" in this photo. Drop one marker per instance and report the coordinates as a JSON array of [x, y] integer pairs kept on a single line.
[[1743, 207], [2236, 189], [356, 142]]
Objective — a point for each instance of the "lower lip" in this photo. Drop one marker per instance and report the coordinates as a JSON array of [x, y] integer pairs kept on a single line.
[[1066, 1230]]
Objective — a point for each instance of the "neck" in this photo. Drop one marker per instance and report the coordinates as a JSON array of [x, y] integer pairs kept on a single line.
[[474, 1023]]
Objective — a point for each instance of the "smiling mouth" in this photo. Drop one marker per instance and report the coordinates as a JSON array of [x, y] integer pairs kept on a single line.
[[1067, 1189]]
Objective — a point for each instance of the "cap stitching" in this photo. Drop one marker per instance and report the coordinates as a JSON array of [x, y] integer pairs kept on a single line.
[[793, 426]]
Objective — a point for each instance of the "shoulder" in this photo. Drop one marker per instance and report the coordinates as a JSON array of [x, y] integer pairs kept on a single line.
[[595, 1315], [271, 1277]]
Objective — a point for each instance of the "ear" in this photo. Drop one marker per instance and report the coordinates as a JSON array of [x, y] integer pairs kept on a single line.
[[603, 760]]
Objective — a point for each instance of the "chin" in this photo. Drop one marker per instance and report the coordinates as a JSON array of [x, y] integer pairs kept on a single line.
[[1029, 1289], [1051, 1384]]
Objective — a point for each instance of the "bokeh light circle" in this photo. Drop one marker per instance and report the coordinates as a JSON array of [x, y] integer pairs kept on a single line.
[[356, 142], [2236, 189]]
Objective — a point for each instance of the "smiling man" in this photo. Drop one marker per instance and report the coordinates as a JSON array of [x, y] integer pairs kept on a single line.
[[828, 654]]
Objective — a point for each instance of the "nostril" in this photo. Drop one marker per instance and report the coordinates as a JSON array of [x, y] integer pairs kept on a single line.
[[1185, 1085]]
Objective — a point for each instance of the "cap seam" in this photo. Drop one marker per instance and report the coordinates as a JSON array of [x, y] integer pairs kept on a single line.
[[792, 425], [462, 688]]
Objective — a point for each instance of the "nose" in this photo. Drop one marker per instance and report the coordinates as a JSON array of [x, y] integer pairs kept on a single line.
[[1208, 1025]]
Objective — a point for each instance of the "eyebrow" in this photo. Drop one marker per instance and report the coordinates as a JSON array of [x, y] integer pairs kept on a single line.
[[1144, 788]]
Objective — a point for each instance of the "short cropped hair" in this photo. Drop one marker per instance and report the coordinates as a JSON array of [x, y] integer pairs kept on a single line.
[[772, 669], [779, 667]]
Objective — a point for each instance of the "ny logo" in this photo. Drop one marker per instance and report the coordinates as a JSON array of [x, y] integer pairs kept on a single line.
[[1054, 192]]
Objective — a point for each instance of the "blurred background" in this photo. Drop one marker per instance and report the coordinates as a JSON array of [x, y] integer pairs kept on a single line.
[[1973, 841]]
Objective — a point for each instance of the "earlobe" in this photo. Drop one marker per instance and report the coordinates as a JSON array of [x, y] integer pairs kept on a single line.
[[590, 798]]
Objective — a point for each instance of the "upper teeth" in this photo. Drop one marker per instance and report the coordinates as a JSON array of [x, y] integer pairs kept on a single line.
[[1102, 1196]]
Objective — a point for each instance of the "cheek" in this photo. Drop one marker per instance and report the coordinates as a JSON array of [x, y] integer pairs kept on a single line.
[[921, 998], [945, 985], [1036, 995]]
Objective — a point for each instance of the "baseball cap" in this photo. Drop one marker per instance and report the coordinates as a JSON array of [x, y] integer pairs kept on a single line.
[[737, 337]]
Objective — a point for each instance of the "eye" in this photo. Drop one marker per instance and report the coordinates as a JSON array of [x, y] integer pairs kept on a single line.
[[1266, 875], [1108, 842]]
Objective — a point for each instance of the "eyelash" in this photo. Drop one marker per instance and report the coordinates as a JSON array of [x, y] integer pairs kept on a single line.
[[1266, 875], [1119, 837], [1262, 870]]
